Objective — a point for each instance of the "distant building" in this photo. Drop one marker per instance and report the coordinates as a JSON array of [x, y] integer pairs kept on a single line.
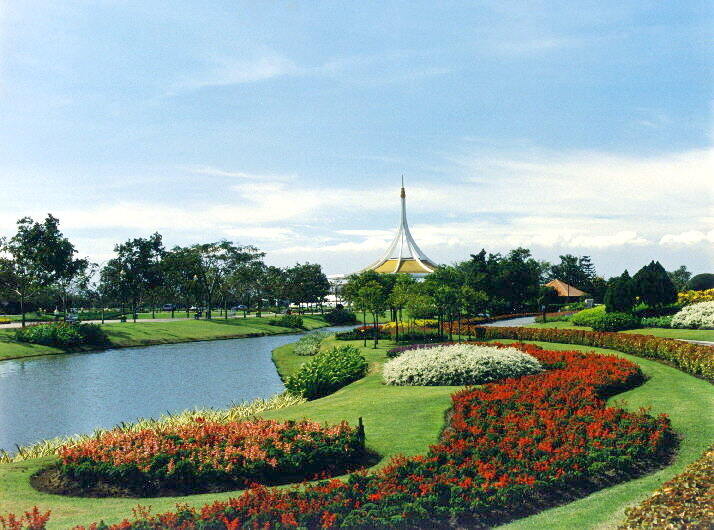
[[565, 290], [403, 255]]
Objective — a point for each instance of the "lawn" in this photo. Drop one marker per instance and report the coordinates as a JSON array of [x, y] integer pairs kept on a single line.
[[406, 420], [144, 333], [688, 334]]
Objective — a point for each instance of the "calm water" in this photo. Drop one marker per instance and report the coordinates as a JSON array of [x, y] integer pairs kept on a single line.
[[58, 395]]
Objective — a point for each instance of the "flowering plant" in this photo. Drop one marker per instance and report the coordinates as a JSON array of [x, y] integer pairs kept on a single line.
[[694, 297], [695, 316]]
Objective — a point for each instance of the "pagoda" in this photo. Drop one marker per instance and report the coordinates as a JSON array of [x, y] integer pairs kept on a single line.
[[403, 255]]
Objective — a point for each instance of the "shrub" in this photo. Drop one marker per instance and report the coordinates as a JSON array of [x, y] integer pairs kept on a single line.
[[396, 352], [525, 438], [694, 297], [686, 501], [562, 316], [32, 520], [63, 335], [656, 322], [643, 310], [341, 316], [695, 316], [615, 322], [4, 320], [421, 336], [363, 332], [327, 371], [458, 364], [701, 282], [654, 286], [288, 321], [586, 317], [620, 294], [203, 455], [310, 344]]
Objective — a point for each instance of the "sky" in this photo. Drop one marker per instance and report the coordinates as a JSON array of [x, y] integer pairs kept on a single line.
[[565, 127]]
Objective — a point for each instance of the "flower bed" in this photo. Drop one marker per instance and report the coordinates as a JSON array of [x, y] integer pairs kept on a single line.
[[310, 344], [508, 448], [694, 297], [693, 359], [207, 456], [695, 316], [686, 501], [458, 364]]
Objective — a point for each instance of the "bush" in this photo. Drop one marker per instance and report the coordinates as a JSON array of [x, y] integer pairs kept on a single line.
[[644, 311], [620, 294], [338, 317], [207, 455], [310, 344], [63, 335], [656, 322], [396, 352], [586, 317], [288, 321], [363, 332], [327, 372], [615, 322], [701, 282], [695, 316], [421, 336], [458, 364], [694, 297]]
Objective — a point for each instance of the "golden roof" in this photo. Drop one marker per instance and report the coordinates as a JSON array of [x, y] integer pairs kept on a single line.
[[563, 289], [407, 265]]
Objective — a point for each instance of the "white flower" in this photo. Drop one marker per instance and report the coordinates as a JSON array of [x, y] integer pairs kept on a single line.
[[458, 364], [695, 316]]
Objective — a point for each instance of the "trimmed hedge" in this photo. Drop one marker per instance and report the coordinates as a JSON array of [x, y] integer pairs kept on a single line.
[[288, 321], [337, 317], [691, 358], [586, 317], [63, 335], [615, 322]]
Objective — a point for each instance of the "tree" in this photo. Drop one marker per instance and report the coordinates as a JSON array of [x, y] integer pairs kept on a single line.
[[653, 286], [680, 277], [547, 298], [598, 288], [216, 262], [37, 256], [181, 267], [398, 298], [701, 282], [307, 283], [576, 271], [137, 268], [374, 299], [620, 294]]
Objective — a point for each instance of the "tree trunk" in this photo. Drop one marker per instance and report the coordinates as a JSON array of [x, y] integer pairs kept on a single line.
[[133, 309], [364, 323], [376, 330], [225, 308], [22, 308]]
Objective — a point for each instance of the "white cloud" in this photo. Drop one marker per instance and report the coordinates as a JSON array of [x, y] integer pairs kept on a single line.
[[691, 237], [217, 172]]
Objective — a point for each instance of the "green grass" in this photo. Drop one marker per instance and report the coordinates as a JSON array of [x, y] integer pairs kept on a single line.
[[689, 334], [139, 334], [406, 420]]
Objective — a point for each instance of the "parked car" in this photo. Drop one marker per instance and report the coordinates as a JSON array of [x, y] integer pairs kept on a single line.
[[239, 307], [168, 307]]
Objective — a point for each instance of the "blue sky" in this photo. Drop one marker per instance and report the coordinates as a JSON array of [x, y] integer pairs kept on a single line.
[[582, 127]]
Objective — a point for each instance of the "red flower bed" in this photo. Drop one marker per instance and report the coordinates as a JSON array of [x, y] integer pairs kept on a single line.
[[194, 456], [506, 444]]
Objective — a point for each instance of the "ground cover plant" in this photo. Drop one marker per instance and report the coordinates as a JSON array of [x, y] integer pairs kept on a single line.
[[310, 344], [686, 501], [63, 335], [458, 364], [327, 372], [506, 445], [656, 322], [695, 316], [203, 456]]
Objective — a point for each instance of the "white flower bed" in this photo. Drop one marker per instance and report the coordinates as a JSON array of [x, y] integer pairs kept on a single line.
[[695, 316], [458, 364], [310, 344]]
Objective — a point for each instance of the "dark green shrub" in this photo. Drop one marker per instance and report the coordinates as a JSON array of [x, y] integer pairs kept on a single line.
[[327, 372], [656, 322], [615, 322], [701, 282], [362, 332], [338, 317], [654, 286], [288, 321], [63, 335], [423, 337], [643, 311], [620, 294]]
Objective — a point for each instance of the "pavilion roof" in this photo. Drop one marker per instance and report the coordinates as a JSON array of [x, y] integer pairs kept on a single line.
[[564, 289]]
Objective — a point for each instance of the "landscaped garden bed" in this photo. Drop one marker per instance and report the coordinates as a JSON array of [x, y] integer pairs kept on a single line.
[[509, 449], [202, 456]]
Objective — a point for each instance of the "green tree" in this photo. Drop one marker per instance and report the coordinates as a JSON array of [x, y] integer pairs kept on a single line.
[[307, 284], [181, 267], [576, 271], [37, 256], [547, 298], [620, 294], [680, 277], [653, 285], [701, 282], [398, 298], [374, 299]]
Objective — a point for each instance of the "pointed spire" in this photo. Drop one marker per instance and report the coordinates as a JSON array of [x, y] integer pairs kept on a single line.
[[404, 193]]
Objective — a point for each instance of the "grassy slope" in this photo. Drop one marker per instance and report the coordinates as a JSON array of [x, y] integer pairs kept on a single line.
[[130, 334], [689, 334], [406, 420]]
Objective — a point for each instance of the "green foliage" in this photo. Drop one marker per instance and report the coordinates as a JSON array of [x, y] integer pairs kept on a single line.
[[615, 322], [338, 317], [656, 322], [548, 297], [576, 271], [653, 285], [288, 321], [327, 372], [310, 344], [586, 317], [680, 277], [620, 294], [701, 282], [63, 335]]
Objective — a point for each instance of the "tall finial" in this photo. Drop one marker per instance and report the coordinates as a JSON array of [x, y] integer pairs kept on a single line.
[[403, 194]]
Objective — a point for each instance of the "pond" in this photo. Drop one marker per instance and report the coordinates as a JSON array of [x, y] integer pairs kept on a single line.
[[58, 395]]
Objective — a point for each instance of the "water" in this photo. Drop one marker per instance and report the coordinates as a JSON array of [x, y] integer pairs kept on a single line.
[[58, 395]]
